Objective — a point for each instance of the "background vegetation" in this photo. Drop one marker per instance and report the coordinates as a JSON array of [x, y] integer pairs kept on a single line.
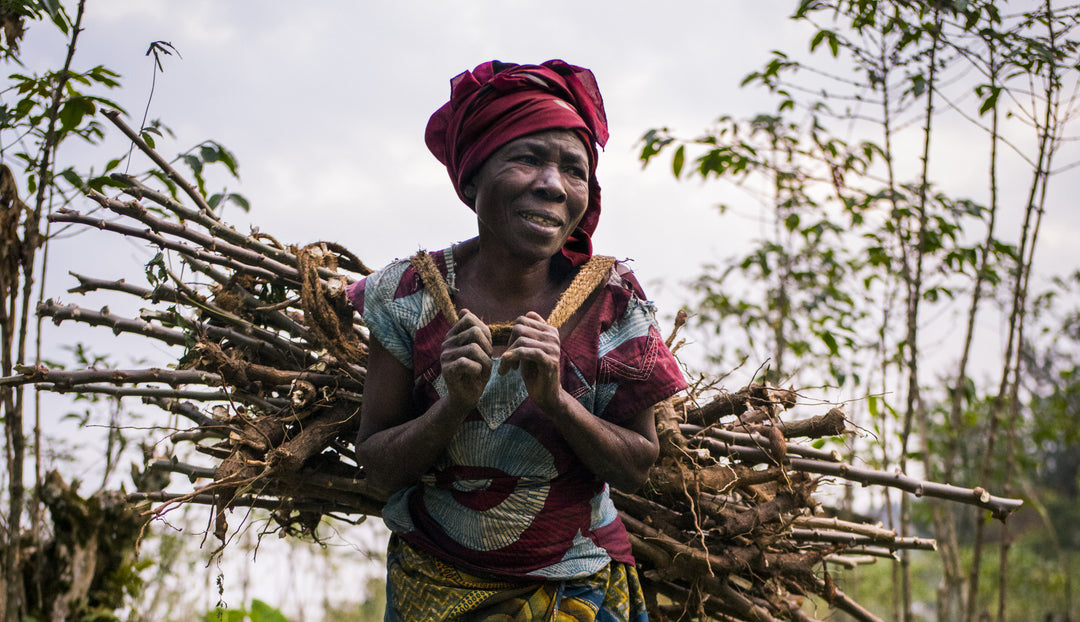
[[884, 280]]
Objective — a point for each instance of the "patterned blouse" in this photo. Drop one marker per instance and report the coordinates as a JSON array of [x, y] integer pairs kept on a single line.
[[509, 497]]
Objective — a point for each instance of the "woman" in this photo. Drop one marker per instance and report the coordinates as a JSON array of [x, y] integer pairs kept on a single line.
[[496, 455]]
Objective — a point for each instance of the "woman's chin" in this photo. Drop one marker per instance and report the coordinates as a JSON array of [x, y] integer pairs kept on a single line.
[[533, 243]]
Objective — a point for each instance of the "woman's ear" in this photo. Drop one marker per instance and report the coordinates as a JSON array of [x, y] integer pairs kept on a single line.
[[469, 190]]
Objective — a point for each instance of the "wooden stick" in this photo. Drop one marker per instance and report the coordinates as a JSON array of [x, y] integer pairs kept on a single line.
[[160, 162], [165, 243]]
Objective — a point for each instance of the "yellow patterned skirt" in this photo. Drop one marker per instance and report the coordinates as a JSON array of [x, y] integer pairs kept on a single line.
[[422, 588]]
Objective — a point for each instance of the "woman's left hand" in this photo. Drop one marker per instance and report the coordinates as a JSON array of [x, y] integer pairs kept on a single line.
[[535, 350], [620, 454]]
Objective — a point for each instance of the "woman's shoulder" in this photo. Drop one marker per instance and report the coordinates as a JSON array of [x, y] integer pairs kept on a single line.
[[623, 277], [379, 285], [397, 280], [623, 294], [635, 369]]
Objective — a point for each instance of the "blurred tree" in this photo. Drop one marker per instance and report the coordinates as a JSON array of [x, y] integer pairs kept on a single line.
[[40, 112], [869, 245]]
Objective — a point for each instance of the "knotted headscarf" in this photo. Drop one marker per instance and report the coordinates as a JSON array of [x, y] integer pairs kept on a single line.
[[499, 102]]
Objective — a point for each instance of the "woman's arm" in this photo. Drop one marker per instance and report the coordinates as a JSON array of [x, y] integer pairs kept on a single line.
[[621, 455], [395, 446]]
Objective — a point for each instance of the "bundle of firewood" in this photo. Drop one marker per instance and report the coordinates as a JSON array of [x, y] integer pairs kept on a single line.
[[271, 381]]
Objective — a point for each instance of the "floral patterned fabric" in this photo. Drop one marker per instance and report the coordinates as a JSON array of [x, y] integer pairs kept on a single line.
[[422, 587]]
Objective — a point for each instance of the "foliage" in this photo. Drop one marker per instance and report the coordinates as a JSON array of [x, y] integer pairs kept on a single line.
[[88, 568], [876, 271], [800, 311], [368, 610], [1038, 584], [258, 612], [39, 112]]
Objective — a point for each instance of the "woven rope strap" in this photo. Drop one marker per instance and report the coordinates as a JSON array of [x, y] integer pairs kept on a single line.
[[589, 277], [435, 283]]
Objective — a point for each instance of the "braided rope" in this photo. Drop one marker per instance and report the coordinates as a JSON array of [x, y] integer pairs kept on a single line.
[[588, 278], [435, 283]]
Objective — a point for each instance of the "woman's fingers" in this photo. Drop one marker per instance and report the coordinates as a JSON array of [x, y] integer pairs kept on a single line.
[[535, 350], [531, 339], [530, 330], [463, 367], [468, 330], [466, 359]]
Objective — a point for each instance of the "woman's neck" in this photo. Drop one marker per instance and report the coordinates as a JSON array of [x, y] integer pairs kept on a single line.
[[499, 287]]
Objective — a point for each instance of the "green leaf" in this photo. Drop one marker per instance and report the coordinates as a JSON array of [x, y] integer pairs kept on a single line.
[[262, 612], [918, 85], [830, 342], [208, 153], [829, 37], [52, 7], [72, 177], [70, 116], [678, 160], [74, 110], [991, 101], [102, 182], [225, 615], [105, 76], [750, 77], [818, 443], [194, 163], [164, 179], [24, 107], [240, 201], [156, 271], [227, 158]]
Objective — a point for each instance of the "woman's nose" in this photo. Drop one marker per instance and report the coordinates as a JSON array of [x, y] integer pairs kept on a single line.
[[549, 183]]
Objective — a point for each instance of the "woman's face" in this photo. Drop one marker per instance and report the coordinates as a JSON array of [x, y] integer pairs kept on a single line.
[[531, 193]]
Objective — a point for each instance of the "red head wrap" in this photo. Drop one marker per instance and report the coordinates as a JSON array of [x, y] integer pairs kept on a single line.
[[499, 102]]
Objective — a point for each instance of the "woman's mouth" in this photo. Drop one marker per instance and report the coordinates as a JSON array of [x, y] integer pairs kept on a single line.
[[541, 219]]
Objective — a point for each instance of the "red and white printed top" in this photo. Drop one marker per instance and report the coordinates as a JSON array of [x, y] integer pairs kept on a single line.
[[509, 497]]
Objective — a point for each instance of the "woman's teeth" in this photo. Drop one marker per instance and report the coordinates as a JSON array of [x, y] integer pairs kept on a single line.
[[541, 220]]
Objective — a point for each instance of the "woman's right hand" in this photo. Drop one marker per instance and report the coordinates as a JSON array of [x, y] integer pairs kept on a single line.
[[466, 360], [397, 445]]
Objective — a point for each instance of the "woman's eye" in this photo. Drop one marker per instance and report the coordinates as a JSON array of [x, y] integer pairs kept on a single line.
[[528, 159]]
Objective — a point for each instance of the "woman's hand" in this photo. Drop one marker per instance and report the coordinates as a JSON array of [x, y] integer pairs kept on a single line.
[[618, 454], [535, 350], [466, 360]]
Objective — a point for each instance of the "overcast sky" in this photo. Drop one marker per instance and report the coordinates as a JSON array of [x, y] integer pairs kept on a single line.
[[324, 104]]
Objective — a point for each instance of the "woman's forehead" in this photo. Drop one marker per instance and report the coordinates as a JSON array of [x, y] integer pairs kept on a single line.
[[566, 140]]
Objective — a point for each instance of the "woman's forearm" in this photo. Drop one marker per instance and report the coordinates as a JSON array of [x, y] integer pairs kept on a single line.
[[621, 456], [396, 457]]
